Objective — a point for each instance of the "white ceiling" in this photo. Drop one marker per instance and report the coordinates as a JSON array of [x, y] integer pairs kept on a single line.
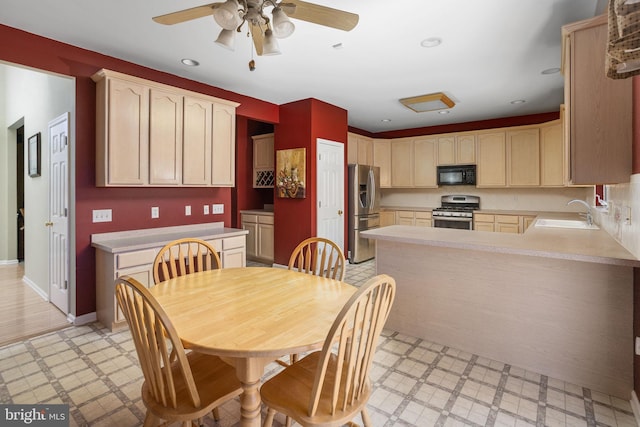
[[493, 52]]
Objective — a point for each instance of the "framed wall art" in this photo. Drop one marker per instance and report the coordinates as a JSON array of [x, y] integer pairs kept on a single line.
[[34, 155], [291, 172]]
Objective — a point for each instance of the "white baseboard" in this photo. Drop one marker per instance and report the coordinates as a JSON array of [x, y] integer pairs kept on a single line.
[[82, 320], [35, 288], [8, 261], [635, 406]]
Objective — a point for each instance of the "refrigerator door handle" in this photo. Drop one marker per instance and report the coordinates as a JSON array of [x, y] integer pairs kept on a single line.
[[372, 189]]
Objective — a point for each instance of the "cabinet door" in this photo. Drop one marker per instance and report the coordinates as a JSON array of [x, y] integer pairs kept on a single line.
[[263, 152], [265, 241], [127, 134], [525, 222], [382, 159], [352, 148], [196, 166], [466, 149], [165, 138], [600, 110], [483, 226], [405, 218], [224, 146], [387, 218], [402, 163], [425, 161], [523, 154], [234, 258], [365, 151], [447, 150], [507, 228], [492, 160], [143, 274], [551, 155], [252, 237]]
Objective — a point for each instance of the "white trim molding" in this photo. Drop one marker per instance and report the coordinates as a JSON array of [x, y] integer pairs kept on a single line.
[[635, 406]]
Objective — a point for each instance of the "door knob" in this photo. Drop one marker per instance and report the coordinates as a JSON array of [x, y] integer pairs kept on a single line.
[[339, 212], [48, 224]]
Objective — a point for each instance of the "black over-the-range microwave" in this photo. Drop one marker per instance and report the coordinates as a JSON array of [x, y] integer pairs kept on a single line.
[[457, 175]]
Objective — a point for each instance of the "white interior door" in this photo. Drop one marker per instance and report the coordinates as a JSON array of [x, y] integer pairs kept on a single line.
[[59, 212], [330, 191]]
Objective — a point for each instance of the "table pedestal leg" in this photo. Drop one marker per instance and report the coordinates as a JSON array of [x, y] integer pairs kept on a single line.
[[249, 372]]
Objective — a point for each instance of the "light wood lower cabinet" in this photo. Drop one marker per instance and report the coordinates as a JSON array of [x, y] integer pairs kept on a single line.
[[502, 223], [260, 240], [139, 265], [417, 218], [387, 218]]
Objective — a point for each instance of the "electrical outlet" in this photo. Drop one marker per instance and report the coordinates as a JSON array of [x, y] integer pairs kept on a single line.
[[206, 209], [627, 215], [102, 215], [217, 208], [187, 210], [637, 346], [155, 212]]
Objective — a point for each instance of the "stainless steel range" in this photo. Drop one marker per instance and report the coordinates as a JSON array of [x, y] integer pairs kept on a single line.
[[456, 211]]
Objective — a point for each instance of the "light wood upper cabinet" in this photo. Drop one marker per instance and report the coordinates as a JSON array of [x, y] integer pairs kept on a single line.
[[165, 138], [457, 149], [599, 109], [197, 141], [223, 153], [552, 154], [122, 133], [150, 134], [425, 159], [492, 159], [382, 159], [359, 149], [402, 163], [523, 157], [263, 161]]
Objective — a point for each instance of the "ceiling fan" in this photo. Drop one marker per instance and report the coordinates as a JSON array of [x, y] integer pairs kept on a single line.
[[232, 14]]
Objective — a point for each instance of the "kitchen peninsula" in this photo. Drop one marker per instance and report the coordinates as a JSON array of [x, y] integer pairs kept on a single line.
[[554, 301]]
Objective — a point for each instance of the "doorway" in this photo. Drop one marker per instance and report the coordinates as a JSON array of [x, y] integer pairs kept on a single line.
[[330, 191], [20, 191]]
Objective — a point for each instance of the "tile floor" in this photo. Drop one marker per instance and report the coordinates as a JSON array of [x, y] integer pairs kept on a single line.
[[417, 383]]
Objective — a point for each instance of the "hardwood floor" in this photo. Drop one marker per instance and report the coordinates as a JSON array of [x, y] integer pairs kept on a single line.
[[23, 313]]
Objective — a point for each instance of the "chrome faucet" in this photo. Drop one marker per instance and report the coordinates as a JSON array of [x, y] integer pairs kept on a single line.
[[588, 214]]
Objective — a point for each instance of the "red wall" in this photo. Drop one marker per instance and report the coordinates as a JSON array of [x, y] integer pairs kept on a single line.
[[301, 123], [131, 206]]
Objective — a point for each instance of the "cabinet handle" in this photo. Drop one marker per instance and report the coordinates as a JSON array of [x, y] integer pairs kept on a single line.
[[48, 224]]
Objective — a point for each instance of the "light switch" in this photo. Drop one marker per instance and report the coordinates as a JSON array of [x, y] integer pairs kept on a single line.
[[155, 212], [217, 208], [206, 209], [187, 210], [102, 215]]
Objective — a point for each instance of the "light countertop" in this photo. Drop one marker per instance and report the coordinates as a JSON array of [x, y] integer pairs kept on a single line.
[[595, 246], [257, 211], [122, 241]]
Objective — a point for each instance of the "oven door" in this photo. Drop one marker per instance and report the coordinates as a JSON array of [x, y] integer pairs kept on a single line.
[[453, 222]]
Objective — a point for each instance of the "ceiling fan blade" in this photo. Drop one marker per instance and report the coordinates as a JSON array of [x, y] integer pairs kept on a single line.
[[186, 14], [257, 33], [321, 15]]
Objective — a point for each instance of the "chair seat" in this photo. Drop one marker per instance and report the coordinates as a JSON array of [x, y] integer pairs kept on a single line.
[[289, 391], [215, 380]]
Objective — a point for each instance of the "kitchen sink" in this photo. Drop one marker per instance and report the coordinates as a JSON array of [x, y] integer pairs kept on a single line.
[[566, 223]]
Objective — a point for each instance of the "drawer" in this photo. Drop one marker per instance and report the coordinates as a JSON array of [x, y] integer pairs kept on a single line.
[[405, 214], [233, 242], [265, 219], [217, 244], [483, 218], [249, 218], [508, 219], [131, 259], [423, 215]]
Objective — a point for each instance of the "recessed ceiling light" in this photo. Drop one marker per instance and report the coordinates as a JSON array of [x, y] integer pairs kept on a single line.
[[518, 101], [385, 120], [444, 112], [550, 71], [431, 42], [337, 46], [190, 62]]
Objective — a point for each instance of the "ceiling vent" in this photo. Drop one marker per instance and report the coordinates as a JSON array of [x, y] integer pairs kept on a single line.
[[430, 102]]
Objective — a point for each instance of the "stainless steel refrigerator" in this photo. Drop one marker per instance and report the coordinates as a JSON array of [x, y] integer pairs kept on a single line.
[[364, 210]]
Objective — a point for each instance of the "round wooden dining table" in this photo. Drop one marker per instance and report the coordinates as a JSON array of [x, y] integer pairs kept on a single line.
[[250, 317]]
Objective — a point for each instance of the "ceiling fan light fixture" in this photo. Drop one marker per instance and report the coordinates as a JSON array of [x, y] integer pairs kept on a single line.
[[270, 46], [227, 15], [282, 25], [430, 102], [227, 39]]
